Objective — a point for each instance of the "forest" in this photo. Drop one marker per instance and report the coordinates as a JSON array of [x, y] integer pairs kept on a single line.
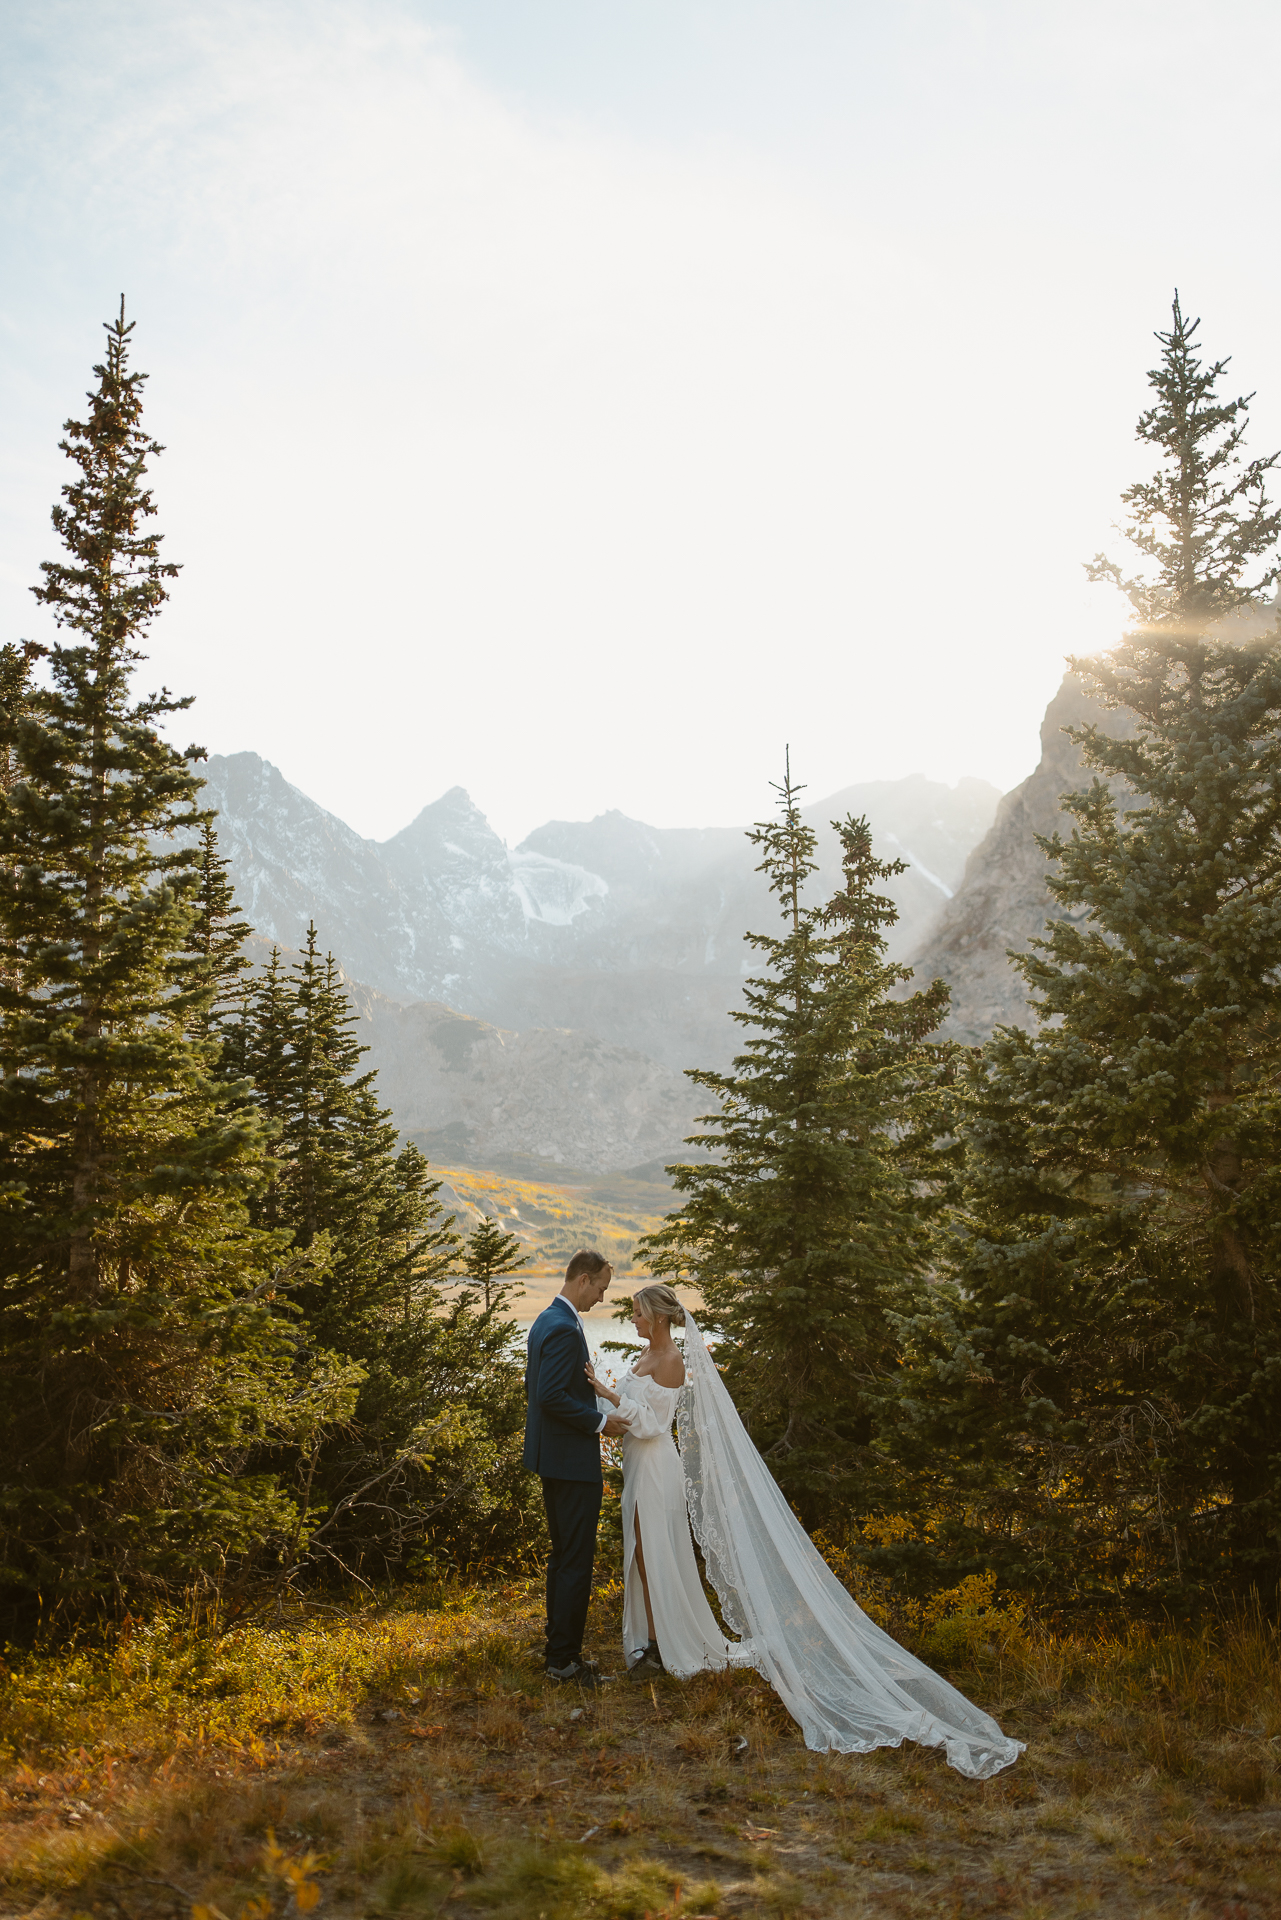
[[1004, 1322]]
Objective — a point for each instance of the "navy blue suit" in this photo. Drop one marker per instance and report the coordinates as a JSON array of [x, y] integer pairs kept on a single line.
[[562, 1446]]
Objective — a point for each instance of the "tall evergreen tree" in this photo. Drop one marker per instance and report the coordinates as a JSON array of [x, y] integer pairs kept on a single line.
[[805, 1225], [336, 1135], [490, 1260], [1098, 1398], [139, 1357]]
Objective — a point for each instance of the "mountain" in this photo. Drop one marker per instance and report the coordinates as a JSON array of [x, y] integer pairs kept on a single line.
[[627, 933], [469, 1093], [540, 1003], [682, 898], [556, 990], [406, 916], [1002, 903]]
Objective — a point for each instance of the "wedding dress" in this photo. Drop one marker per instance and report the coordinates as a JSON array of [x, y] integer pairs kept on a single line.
[[654, 1484], [850, 1686]]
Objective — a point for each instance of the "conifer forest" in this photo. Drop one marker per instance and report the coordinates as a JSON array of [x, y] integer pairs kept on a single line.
[[1004, 1320]]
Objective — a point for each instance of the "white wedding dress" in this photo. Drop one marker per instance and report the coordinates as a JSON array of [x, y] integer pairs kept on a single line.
[[654, 1482], [848, 1685]]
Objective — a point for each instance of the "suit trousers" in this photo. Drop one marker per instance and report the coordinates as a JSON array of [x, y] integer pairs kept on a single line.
[[573, 1509]]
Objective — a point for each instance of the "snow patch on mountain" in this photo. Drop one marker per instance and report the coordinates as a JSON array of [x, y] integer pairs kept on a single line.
[[553, 891], [914, 860]]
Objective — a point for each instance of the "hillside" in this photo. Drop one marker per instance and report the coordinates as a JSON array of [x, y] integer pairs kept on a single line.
[[464, 1089], [553, 1219]]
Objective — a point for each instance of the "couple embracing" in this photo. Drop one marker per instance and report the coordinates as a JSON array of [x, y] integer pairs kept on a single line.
[[850, 1686]]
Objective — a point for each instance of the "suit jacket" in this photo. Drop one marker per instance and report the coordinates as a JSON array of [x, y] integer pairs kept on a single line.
[[562, 1420]]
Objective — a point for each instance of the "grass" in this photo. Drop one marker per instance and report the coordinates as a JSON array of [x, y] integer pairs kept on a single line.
[[413, 1761]]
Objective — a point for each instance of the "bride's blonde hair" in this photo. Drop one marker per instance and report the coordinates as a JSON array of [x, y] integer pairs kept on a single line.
[[659, 1302]]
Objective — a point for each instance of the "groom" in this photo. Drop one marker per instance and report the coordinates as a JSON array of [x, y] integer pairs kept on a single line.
[[562, 1444]]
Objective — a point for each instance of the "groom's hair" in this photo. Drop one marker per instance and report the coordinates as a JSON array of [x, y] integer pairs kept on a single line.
[[586, 1261]]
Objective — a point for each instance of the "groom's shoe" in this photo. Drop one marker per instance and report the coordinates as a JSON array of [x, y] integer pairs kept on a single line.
[[580, 1659], [578, 1671]]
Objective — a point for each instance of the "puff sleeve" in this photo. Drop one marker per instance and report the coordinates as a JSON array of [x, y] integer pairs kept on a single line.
[[651, 1417]]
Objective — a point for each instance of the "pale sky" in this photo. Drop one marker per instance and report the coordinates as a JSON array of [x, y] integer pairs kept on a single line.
[[578, 400]]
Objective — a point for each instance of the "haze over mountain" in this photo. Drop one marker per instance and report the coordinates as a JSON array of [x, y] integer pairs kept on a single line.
[[543, 1000]]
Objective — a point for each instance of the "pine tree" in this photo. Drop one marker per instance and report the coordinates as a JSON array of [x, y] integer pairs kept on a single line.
[[1098, 1400], [490, 1259], [805, 1225], [140, 1357], [336, 1153]]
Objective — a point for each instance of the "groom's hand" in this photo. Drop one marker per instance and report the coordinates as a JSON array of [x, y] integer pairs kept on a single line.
[[613, 1427]]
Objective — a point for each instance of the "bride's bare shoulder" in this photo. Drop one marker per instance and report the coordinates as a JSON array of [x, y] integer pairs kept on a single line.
[[670, 1370]]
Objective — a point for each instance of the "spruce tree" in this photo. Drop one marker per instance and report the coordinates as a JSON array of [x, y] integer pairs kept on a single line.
[[806, 1224], [1097, 1400], [139, 1355], [489, 1261]]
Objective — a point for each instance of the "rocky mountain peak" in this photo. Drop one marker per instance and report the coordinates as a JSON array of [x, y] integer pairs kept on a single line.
[[450, 829], [1002, 904], [625, 852]]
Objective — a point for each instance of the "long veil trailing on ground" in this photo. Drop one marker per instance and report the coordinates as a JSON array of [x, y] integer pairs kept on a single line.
[[849, 1686]]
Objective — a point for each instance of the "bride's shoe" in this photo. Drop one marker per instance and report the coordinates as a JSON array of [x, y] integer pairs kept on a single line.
[[647, 1664]]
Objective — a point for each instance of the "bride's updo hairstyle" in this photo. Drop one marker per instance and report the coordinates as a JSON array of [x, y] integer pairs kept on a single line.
[[659, 1303]]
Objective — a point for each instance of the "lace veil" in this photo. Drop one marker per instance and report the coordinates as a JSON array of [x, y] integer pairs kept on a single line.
[[849, 1686]]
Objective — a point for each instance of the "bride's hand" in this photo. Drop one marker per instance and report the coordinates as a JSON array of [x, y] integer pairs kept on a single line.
[[598, 1386]]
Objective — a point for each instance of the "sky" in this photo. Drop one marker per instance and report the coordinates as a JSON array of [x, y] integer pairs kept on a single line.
[[581, 401]]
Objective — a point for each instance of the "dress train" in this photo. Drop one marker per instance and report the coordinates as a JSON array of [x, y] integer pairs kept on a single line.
[[850, 1686]]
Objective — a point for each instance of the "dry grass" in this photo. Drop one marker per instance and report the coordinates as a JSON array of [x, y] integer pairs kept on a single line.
[[415, 1763]]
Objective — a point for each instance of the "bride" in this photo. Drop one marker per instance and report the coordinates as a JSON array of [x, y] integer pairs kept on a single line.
[[850, 1687]]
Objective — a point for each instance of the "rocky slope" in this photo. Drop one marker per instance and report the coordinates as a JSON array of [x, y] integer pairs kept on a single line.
[[1002, 903], [469, 1092]]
